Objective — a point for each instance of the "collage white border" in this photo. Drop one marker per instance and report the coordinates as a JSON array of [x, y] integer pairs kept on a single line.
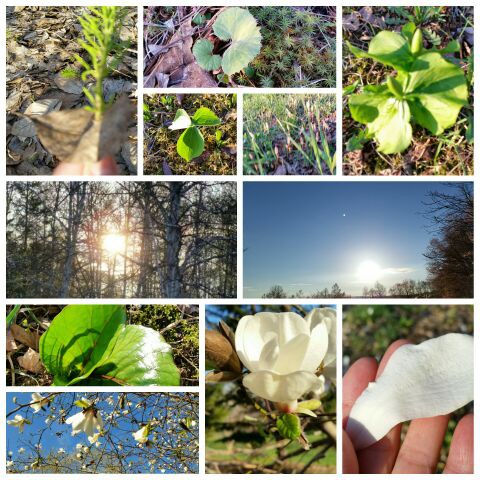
[[239, 178]]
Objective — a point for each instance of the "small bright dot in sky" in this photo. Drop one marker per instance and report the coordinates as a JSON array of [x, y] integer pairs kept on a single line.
[[344, 214]]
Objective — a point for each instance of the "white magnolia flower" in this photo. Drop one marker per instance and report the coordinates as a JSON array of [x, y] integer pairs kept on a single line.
[[19, 422], [61, 450], [21, 450], [10, 453], [94, 438], [39, 402], [141, 436], [79, 455], [283, 352], [88, 420], [79, 446], [26, 467], [10, 463]]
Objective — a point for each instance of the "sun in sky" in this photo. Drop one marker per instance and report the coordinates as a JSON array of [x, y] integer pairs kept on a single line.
[[369, 271], [113, 243]]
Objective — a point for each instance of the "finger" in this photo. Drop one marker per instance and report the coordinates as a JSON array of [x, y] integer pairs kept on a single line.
[[460, 456], [349, 457], [355, 381], [420, 449], [65, 168], [106, 166], [380, 457]]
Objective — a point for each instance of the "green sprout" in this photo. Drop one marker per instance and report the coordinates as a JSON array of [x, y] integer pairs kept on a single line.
[[105, 50]]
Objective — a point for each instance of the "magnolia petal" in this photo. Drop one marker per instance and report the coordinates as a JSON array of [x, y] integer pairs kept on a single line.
[[280, 388], [328, 316], [419, 381], [254, 331], [316, 349], [292, 355], [269, 355]]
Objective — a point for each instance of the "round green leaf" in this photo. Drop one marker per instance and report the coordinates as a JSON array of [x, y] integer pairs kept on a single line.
[[190, 144], [138, 356], [387, 118], [204, 117], [90, 345], [289, 426], [437, 90], [202, 51], [239, 26], [389, 48], [78, 338], [182, 120]]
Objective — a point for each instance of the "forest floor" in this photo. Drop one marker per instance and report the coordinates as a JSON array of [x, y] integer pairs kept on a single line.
[[289, 134], [297, 48], [450, 153], [161, 157], [41, 44]]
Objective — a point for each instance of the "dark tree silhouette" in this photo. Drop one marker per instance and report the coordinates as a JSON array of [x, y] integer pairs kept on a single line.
[[450, 253]]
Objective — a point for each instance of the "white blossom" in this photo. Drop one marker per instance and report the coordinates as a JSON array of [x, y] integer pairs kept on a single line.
[[19, 422], [39, 402], [283, 352]]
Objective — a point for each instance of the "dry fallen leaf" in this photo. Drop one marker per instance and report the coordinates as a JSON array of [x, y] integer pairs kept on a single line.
[[11, 344], [30, 339], [74, 136], [31, 361]]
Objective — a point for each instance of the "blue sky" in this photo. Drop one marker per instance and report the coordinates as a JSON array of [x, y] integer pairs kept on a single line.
[[308, 235], [215, 313]]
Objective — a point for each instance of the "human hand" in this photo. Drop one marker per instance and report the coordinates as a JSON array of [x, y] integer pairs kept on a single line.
[[106, 166], [420, 450]]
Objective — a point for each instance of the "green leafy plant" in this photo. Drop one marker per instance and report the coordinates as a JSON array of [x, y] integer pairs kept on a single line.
[[427, 89], [191, 143], [239, 27], [92, 345], [105, 50]]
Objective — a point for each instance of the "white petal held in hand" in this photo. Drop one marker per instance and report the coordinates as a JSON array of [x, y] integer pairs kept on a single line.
[[419, 381], [283, 351]]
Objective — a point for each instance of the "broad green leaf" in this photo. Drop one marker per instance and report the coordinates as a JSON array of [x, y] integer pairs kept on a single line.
[[289, 426], [190, 144], [204, 117], [182, 120], [136, 356], [436, 91], [91, 345], [239, 26], [78, 338], [387, 119], [202, 51], [408, 30], [389, 48]]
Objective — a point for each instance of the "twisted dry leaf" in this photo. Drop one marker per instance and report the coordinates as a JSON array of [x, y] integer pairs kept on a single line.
[[74, 136]]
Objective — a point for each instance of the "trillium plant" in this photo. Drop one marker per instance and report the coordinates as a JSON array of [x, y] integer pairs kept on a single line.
[[425, 88], [191, 144], [238, 27]]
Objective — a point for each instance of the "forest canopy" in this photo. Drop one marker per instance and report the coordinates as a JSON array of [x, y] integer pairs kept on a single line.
[[121, 239]]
